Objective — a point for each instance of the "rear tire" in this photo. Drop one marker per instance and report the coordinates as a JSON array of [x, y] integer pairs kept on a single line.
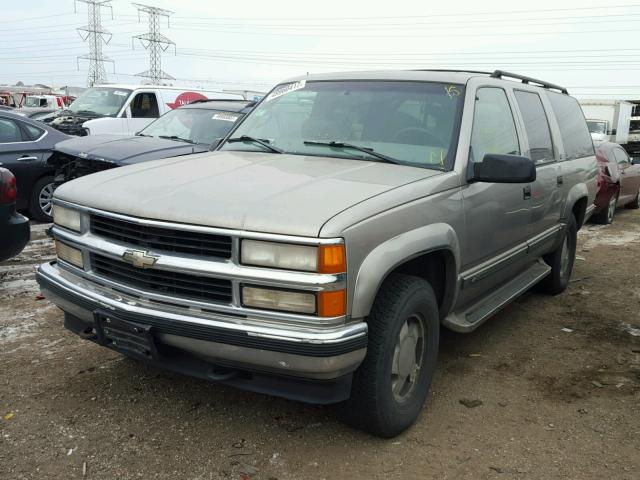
[[605, 217], [40, 202], [634, 203], [561, 261], [390, 387]]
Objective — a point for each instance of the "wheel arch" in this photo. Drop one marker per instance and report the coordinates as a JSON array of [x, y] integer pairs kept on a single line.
[[577, 203], [431, 252]]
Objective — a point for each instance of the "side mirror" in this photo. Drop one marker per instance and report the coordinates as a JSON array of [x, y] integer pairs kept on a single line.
[[613, 131], [496, 168], [635, 160], [215, 144]]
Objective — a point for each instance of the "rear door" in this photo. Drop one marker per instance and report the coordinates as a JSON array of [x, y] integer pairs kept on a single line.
[[546, 194], [20, 154]]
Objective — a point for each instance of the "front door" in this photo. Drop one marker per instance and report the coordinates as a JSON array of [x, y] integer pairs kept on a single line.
[[629, 176], [144, 110], [497, 216]]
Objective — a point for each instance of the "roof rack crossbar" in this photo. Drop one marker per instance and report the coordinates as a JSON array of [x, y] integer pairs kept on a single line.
[[528, 80]]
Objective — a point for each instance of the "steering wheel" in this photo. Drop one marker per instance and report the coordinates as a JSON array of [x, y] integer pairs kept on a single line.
[[424, 135]]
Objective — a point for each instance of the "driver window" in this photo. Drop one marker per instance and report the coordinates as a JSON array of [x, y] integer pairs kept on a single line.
[[144, 105], [494, 130]]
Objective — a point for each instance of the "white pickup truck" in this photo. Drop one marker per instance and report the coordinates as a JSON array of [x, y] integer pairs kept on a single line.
[[126, 109]]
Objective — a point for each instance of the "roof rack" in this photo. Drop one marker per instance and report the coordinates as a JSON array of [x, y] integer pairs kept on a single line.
[[528, 80], [450, 70]]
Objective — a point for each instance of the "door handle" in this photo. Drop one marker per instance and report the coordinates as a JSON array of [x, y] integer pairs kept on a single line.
[[559, 180], [526, 192], [27, 159]]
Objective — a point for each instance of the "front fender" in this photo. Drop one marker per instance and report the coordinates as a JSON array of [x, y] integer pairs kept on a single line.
[[394, 252]]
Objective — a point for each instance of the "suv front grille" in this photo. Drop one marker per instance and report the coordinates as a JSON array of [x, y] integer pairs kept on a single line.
[[162, 238], [197, 287]]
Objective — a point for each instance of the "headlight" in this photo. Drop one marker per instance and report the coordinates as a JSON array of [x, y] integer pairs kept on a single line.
[[69, 254], [270, 299], [66, 217], [322, 259]]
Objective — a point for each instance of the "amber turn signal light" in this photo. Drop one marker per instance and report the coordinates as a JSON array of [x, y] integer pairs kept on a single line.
[[332, 303], [332, 259]]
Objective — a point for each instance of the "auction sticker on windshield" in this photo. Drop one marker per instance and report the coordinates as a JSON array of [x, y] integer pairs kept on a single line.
[[284, 89], [227, 117], [120, 93]]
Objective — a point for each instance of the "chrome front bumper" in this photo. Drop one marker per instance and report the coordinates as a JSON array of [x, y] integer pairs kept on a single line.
[[299, 351]]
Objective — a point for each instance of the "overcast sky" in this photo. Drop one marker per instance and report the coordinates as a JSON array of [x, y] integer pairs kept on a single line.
[[585, 45]]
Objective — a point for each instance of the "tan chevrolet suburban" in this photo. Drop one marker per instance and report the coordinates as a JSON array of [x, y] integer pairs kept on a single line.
[[317, 253]]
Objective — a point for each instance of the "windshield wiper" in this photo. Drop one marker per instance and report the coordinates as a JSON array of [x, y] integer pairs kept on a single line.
[[369, 151], [174, 137], [260, 141], [143, 135]]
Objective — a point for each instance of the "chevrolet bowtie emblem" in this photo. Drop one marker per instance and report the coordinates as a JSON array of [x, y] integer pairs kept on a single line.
[[139, 258]]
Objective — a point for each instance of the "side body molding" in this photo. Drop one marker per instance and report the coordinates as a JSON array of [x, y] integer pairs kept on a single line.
[[397, 250]]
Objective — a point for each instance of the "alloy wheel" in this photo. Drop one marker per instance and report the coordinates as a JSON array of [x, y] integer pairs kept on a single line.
[[45, 198]]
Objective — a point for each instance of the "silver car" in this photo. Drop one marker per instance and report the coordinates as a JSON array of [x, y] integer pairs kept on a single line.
[[317, 252]]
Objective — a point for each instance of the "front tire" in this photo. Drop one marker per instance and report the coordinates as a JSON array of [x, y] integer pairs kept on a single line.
[[40, 203], [390, 387], [635, 203], [605, 217], [561, 261]]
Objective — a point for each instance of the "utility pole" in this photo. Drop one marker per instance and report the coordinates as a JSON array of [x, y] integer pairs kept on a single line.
[[155, 42], [95, 35]]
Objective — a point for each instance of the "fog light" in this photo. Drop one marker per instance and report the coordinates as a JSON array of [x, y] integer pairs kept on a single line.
[[69, 254], [284, 300]]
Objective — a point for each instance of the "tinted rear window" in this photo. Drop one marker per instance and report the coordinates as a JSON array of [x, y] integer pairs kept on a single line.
[[573, 127], [536, 125]]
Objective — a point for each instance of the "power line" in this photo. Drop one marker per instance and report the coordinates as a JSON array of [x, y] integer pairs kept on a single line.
[[155, 42], [95, 35]]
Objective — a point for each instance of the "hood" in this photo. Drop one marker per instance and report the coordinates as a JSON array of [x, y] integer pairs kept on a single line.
[[261, 192], [126, 150], [69, 122]]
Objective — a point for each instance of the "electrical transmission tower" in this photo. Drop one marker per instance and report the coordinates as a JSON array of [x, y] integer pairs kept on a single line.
[[155, 42], [95, 35]]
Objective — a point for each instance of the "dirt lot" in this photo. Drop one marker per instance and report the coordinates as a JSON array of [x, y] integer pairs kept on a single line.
[[558, 378]]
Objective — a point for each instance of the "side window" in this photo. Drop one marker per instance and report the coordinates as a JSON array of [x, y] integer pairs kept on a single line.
[[494, 130], [9, 131], [34, 132], [573, 127], [145, 105], [536, 126], [620, 155]]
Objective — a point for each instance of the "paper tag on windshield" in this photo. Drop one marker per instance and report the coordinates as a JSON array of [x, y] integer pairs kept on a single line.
[[227, 117], [120, 93], [284, 89]]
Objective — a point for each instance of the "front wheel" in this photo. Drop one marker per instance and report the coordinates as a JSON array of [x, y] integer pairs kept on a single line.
[[635, 203], [605, 217], [391, 386], [561, 261]]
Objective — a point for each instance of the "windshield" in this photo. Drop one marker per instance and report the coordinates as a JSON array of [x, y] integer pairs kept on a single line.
[[413, 123], [597, 127], [35, 102], [198, 125], [100, 100]]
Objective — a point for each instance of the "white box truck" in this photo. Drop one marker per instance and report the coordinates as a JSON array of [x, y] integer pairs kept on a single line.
[[608, 120]]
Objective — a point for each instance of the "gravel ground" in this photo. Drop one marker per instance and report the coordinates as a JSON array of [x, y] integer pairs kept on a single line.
[[551, 387]]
